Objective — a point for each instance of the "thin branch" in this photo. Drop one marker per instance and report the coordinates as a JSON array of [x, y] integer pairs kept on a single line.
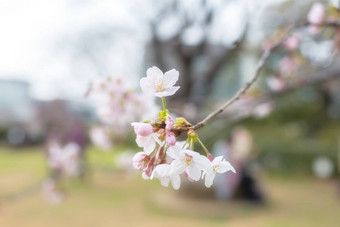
[[245, 88], [255, 75]]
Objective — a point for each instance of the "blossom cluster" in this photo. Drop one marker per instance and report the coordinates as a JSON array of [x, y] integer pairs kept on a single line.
[[118, 101], [300, 49], [64, 159], [163, 156]]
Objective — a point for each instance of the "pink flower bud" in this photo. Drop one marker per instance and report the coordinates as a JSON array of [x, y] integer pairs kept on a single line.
[[169, 124], [170, 139], [142, 129]]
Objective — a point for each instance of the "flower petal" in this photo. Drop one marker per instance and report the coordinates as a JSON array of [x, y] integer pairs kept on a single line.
[[194, 172], [170, 77], [176, 182], [209, 178], [177, 167], [154, 72], [146, 85]]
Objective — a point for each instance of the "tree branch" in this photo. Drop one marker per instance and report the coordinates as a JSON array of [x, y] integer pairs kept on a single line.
[[255, 75]]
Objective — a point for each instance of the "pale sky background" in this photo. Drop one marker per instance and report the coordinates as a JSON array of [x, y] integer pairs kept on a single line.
[[32, 30], [29, 31]]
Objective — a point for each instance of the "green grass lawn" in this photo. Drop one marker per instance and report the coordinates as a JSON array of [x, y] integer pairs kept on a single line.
[[113, 198]]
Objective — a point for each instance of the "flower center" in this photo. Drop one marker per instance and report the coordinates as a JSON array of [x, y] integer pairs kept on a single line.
[[159, 84], [216, 168], [188, 159]]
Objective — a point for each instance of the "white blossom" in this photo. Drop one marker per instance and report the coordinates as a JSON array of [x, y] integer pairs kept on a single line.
[[187, 160], [218, 165], [163, 173], [159, 84]]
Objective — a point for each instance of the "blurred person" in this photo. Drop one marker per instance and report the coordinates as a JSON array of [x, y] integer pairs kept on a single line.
[[244, 184]]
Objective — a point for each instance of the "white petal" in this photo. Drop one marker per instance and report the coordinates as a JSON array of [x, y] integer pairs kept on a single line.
[[172, 90], [170, 77], [164, 181], [209, 178], [176, 182], [175, 152], [194, 172], [146, 85], [154, 72], [202, 162], [149, 148], [177, 167]]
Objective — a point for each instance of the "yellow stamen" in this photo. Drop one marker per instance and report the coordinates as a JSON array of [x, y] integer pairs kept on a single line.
[[159, 84], [188, 159]]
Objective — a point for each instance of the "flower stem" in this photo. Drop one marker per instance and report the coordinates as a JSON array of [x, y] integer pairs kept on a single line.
[[191, 144], [204, 147], [163, 101]]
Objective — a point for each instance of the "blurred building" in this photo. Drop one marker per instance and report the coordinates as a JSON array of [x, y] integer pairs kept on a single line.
[[16, 103], [24, 119]]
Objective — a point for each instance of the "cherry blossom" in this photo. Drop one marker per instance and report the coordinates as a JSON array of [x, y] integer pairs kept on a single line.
[[159, 84], [64, 159], [99, 136], [163, 156], [189, 161], [218, 165], [163, 173]]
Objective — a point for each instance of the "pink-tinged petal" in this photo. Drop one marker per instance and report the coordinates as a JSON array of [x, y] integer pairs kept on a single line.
[[209, 178], [170, 77], [153, 73], [176, 182], [194, 172], [142, 129], [170, 139], [169, 124]]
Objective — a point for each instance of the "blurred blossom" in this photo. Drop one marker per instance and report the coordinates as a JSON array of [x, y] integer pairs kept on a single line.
[[316, 14], [119, 105], [275, 84], [323, 167], [50, 191], [263, 110], [65, 159], [292, 42], [100, 137], [288, 66], [124, 161]]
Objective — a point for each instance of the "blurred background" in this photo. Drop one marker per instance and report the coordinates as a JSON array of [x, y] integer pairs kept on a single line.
[[284, 143]]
